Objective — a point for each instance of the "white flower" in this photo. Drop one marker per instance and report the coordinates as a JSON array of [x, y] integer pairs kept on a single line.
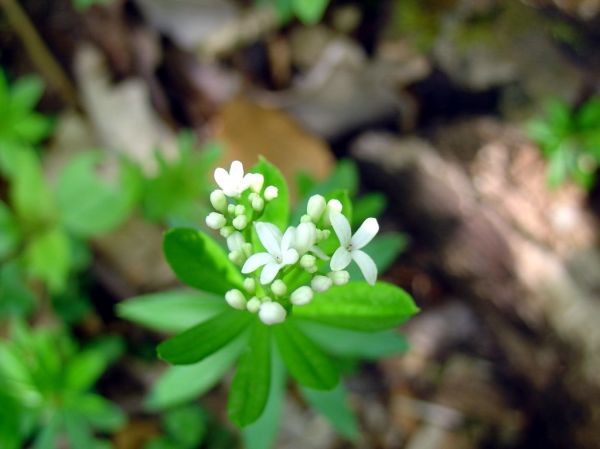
[[321, 283], [271, 313], [302, 295], [236, 299], [279, 252], [215, 220], [233, 183], [271, 193], [256, 181], [350, 245]]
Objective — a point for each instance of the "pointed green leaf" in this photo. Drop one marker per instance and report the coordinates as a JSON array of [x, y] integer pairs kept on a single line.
[[197, 378], [360, 306], [199, 261], [354, 344], [309, 11], [304, 360], [262, 433], [250, 387], [172, 311], [277, 210], [334, 405], [205, 338]]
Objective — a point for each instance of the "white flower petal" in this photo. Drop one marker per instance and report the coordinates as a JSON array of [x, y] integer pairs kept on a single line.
[[222, 179], [236, 172], [341, 227], [235, 241], [289, 257], [366, 265], [255, 261], [365, 233], [269, 272], [341, 259], [270, 237], [288, 238]]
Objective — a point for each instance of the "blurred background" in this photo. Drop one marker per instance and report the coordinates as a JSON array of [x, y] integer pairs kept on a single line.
[[473, 126]]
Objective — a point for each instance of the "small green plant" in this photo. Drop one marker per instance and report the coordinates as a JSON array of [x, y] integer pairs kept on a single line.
[[308, 12], [279, 300], [176, 193], [20, 125], [570, 141], [46, 394], [83, 5]]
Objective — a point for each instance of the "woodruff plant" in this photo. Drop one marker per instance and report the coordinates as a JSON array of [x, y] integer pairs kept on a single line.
[[279, 293]]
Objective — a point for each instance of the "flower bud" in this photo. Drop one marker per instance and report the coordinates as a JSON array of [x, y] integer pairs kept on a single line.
[[226, 231], [302, 295], [315, 207], [279, 288], [320, 283], [240, 222], [308, 261], [339, 277], [249, 285], [235, 241], [247, 249], [236, 299], [240, 210], [334, 206], [237, 257], [305, 219], [323, 234], [253, 304], [216, 221], [271, 193], [218, 200], [231, 209], [256, 182], [305, 237], [272, 313], [258, 204]]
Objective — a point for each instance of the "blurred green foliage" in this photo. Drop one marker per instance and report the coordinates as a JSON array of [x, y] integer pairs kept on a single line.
[[308, 12], [569, 139], [46, 390]]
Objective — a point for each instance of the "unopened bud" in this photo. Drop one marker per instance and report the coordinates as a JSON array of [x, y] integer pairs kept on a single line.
[[249, 285], [339, 277], [258, 204], [272, 313], [218, 200], [253, 305], [215, 220], [240, 222], [240, 210], [308, 261], [279, 288], [236, 299], [302, 295], [256, 182], [271, 193], [315, 207], [320, 283], [226, 231], [231, 209]]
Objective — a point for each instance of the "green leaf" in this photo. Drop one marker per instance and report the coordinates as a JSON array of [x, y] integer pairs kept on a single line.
[[32, 128], [171, 311], [16, 299], [100, 413], [369, 205], [262, 433], [10, 235], [78, 430], [205, 338], [277, 210], [197, 378], [303, 359], [200, 262], [48, 258], [186, 425], [310, 11], [10, 421], [360, 306], [558, 167], [383, 249], [30, 196], [354, 344], [46, 439], [345, 177], [250, 387], [588, 116], [330, 244], [333, 404], [88, 204], [86, 367], [26, 93]]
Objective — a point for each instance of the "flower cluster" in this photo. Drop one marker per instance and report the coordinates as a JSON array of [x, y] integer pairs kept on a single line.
[[293, 266]]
